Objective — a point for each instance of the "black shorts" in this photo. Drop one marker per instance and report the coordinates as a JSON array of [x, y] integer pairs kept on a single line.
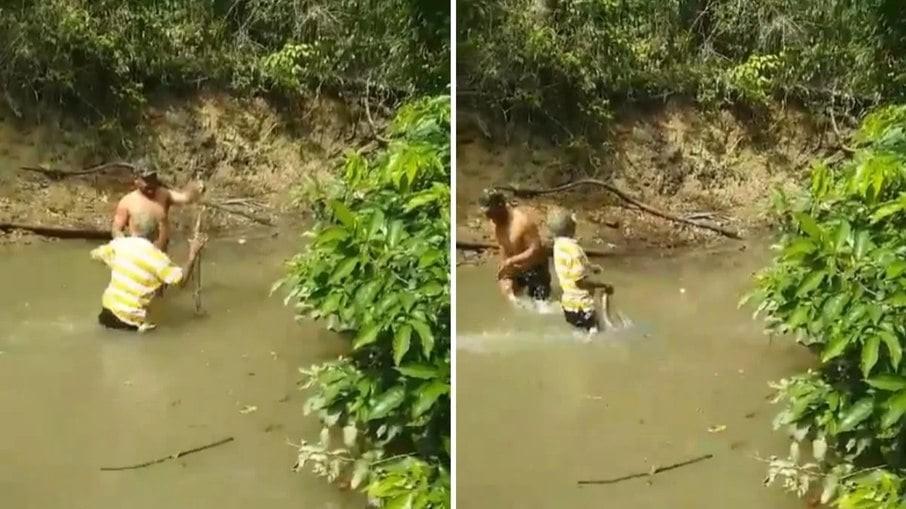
[[111, 321], [586, 320], [536, 281]]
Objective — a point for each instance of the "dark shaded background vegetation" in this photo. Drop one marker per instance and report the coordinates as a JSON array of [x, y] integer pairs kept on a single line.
[[104, 59], [564, 65]]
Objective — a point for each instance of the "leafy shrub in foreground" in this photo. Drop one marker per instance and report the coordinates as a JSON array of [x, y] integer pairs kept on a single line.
[[839, 284], [378, 268]]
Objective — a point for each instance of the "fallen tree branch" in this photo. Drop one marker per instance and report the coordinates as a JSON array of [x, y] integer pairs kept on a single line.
[[60, 233], [60, 174], [467, 245], [374, 129], [625, 197], [657, 470], [842, 144], [178, 455]]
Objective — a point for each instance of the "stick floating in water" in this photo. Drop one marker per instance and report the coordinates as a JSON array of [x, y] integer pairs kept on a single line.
[[178, 455], [657, 470]]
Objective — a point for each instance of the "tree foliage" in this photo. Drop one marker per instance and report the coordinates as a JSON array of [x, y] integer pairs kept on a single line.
[[378, 269], [565, 63], [839, 284], [105, 58]]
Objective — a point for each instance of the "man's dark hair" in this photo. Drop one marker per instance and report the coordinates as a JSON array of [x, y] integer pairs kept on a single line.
[[491, 199], [148, 175]]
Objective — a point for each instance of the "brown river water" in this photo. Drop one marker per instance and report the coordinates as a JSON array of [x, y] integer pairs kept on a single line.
[[538, 410], [75, 397]]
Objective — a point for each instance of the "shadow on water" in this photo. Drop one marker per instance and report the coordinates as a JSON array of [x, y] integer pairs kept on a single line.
[[539, 410], [75, 397]]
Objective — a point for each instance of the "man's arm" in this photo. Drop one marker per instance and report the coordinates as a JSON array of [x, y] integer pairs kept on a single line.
[[188, 194], [163, 234], [195, 247], [120, 219], [175, 275]]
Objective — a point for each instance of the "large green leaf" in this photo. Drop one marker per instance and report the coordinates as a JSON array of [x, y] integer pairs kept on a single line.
[[387, 402], [896, 407], [870, 354], [422, 371], [401, 343], [896, 268], [366, 336], [894, 348], [842, 235], [856, 414], [834, 306], [427, 395], [809, 226], [887, 382], [425, 334], [897, 300], [835, 347], [811, 282], [344, 215], [344, 269]]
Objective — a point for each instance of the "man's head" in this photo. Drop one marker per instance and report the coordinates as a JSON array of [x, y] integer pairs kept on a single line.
[[493, 204], [561, 222], [147, 183], [143, 224]]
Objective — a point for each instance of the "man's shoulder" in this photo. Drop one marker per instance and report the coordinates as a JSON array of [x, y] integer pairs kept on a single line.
[[525, 217]]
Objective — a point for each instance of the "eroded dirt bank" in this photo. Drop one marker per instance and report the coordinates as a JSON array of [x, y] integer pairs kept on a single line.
[[719, 166], [252, 155]]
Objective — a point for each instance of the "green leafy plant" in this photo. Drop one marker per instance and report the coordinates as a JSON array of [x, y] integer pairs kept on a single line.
[[377, 269], [562, 65], [103, 59], [838, 284]]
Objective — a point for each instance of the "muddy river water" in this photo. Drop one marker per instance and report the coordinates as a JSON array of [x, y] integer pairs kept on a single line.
[[539, 411], [74, 397]]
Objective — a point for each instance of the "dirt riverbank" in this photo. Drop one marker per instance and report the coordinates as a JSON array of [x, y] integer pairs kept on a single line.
[[252, 155], [716, 166]]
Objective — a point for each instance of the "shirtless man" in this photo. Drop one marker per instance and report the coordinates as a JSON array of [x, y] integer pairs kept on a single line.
[[152, 198], [523, 258]]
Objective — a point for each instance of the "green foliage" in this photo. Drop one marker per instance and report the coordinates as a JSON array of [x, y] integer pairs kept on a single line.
[[839, 284], [104, 58], [563, 63], [378, 268]]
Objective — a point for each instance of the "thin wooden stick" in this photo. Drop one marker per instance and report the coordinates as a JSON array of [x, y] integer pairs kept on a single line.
[[197, 272], [625, 197], [59, 174], [178, 455], [657, 470]]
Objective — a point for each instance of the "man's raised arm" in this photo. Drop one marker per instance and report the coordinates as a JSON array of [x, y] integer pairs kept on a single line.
[[186, 195]]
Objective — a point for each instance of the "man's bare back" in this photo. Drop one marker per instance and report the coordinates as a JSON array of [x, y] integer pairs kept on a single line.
[[158, 207], [150, 197]]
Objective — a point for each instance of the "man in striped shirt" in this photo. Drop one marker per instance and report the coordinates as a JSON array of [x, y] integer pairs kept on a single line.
[[138, 269], [573, 272]]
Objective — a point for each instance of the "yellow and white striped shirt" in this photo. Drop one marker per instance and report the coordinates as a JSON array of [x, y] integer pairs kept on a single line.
[[571, 265], [138, 269]]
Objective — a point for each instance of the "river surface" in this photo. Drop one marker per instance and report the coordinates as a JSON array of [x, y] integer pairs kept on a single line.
[[538, 410], [75, 397]]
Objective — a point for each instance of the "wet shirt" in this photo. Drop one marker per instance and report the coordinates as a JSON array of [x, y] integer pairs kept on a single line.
[[571, 265], [138, 269]]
